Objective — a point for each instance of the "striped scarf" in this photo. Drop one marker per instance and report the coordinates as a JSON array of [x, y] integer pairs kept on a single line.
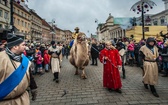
[[13, 55]]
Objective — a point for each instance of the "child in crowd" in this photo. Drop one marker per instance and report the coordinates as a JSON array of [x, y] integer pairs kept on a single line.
[[46, 60], [39, 63]]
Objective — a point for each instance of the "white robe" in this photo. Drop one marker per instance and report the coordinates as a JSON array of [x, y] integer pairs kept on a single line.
[[55, 62]]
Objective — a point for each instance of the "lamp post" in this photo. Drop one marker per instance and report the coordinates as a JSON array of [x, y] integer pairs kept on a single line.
[[52, 33], [12, 12], [143, 6], [52, 25], [11, 16]]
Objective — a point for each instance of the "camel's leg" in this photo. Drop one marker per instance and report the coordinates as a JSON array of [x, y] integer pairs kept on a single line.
[[83, 74], [76, 72]]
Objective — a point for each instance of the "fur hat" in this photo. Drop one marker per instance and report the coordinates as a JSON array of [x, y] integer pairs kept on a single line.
[[150, 39], [52, 42], [13, 40], [77, 28]]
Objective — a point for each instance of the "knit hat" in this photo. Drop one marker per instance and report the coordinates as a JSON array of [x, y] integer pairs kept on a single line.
[[13, 40]]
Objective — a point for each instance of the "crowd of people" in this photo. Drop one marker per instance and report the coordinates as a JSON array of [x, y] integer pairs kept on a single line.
[[151, 55]]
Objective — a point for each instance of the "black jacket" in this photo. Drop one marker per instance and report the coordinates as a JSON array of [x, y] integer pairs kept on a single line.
[[94, 51], [164, 54]]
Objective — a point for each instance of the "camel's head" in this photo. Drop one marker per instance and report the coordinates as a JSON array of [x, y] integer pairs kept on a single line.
[[81, 37]]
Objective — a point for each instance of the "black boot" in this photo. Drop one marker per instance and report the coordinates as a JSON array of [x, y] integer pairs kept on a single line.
[[123, 70], [153, 90], [56, 76], [132, 62], [145, 85], [34, 94], [164, 75]]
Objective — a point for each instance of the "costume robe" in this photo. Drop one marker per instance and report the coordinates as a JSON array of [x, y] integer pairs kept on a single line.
[[150, 68], [55, 62], [111, 75], [19, 96]]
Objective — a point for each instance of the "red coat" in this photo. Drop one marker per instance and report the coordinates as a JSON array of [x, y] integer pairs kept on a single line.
[[46, 58], [111, 75]]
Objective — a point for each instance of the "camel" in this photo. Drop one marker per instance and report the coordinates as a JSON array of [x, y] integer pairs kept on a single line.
[[79, 56]]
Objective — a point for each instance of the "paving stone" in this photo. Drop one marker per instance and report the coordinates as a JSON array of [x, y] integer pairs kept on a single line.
[[91, 91]]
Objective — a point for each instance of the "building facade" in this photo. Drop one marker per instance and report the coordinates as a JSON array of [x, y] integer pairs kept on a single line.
[[68, 36], [36, 27], [4, 14], [46, 29], [116, 32], [103, 29], [21, 19], [109, 30]]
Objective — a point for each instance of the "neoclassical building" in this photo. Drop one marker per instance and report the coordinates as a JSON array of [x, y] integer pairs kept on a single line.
[[109, 30], [116, 32]]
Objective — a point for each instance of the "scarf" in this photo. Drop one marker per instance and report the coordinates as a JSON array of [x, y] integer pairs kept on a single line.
[[54, 46], [12, 55]]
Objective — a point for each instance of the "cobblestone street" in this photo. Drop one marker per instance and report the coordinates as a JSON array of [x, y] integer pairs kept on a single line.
[[91, 92]]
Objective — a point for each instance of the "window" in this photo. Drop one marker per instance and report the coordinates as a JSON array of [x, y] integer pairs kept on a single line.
[[22, 23], [146, 29], [26, 24], [6, 27], [25, 16], [1, 13], [18, 22], [13, 9], [6, 15], [155, 23], [0, 25], [162, 21], [22, 14], [19, 12], [13, 20]]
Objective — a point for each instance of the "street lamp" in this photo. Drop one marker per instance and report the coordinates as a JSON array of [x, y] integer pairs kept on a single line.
[[143, 6], [52, 25], [52, 33], [12, 12]]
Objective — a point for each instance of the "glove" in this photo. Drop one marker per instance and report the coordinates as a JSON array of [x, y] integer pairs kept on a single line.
[[34, 94]]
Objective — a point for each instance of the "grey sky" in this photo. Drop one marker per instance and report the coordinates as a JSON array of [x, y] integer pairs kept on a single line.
[[82, 13]]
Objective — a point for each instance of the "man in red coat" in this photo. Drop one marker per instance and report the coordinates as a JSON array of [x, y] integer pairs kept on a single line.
[[111, 60]]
